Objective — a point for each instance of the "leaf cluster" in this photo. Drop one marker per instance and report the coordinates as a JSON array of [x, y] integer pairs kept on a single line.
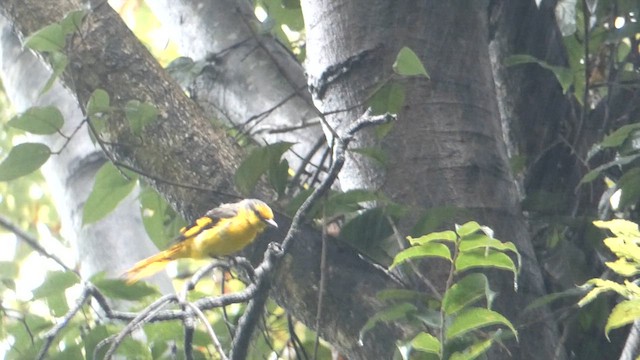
[[625, 244], [461, 323]]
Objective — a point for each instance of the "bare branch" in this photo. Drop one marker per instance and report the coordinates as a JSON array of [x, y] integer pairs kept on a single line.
[[33, 243], [51, 334]]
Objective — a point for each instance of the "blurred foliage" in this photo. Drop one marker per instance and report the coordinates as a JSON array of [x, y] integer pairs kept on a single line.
[[625, 244]]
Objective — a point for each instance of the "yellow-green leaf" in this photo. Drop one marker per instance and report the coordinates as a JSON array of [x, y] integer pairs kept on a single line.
[[624, 267], [619, 227], [408, 64], [484, 259], [448, 235], [477, 318], [465, 292], [426, 250], [468, 228], [473, 351], [622, 314], [426, 343]]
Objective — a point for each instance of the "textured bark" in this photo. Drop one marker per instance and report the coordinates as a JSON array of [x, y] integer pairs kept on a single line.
[[70, 173], [447, 148], [183, 147], [106, 55], [253, 81]]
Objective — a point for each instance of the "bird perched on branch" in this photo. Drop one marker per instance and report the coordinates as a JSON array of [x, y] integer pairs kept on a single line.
[[221, 231]]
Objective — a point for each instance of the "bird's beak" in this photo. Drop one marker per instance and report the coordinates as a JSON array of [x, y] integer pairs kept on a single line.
[[270, 222]]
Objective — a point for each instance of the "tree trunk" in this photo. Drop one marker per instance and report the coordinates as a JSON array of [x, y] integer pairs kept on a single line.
[[252, 81], [447, 149]]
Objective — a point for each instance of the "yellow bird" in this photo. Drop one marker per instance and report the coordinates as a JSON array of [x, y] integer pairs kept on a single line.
[[221, 231]]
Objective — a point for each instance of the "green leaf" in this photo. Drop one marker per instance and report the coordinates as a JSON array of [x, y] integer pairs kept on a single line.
[[99, 102], [257, 163], [619, 136], [278, 177], [484, 259], [23, 159], [629, 183], [50, 38], [622, 160], [476, 318], [467, 229], [623, 314], [91, 339], [563, 75], [448, 236], [57, 304], [426, 250], [118, 289], [481, 241], [109, 189], [397, 312], [426, 343], [388, 99], [159, 219], [465, 292], [59, 62], [139, 114], [473, 351], [39, 120], [55, 283], [408, 64], [72, 21]]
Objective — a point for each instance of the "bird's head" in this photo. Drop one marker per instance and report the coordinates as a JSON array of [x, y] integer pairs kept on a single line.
[[262, 211]]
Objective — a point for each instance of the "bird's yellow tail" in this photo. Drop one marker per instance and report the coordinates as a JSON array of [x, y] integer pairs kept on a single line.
[[153, 264]]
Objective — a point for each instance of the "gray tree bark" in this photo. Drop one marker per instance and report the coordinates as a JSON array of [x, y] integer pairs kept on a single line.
[[447, 149], [252, 81]]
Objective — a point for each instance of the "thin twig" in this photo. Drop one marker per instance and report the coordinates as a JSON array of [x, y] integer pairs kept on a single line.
[[210, 331], [51, 334], [142, 317], [412, 264], [342, 142], [33, 243]]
